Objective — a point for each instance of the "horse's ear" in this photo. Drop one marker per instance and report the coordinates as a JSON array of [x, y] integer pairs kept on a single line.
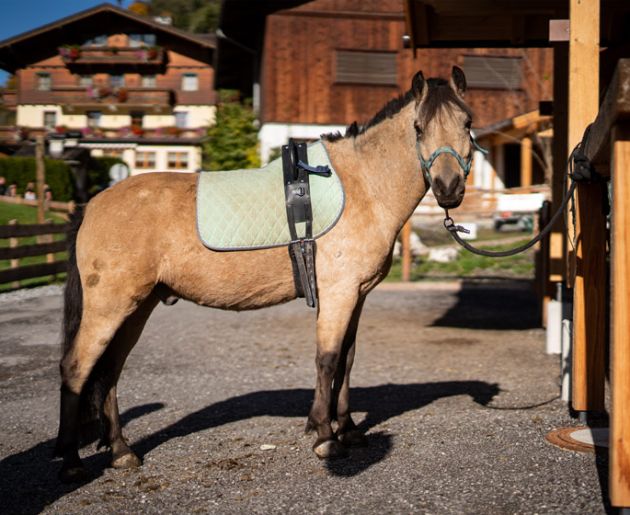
[[419, 87], [458, 81]]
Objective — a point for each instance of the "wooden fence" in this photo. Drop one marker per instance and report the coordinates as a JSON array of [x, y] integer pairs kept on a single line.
[[45, 246], [50, 205]]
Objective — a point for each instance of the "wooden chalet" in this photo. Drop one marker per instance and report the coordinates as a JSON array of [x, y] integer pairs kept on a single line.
[[133, 87], [315, 67]]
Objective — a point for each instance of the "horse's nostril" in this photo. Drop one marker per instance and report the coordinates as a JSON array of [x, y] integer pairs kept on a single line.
[[446, 187]]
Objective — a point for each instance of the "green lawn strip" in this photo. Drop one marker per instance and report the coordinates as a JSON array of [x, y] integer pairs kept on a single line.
[[24, 214], [467, 265]]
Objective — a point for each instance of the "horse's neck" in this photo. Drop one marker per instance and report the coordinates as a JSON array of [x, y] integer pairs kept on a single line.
[[381, 171]]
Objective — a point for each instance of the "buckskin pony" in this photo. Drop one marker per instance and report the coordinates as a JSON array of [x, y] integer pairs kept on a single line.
[[136, 244]]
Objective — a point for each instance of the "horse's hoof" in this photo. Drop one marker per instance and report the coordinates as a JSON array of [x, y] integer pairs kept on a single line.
[[354, 438], [126, 461], [330, 449], [74, 474]]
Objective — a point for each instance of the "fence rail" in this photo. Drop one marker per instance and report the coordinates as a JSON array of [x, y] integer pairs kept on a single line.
[[45, 246], [50, 205]]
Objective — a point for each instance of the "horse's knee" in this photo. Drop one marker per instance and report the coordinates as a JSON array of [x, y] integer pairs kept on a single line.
[[327, 363]]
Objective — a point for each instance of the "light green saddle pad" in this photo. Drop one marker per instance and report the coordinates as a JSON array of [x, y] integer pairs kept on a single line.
[[245, 209]]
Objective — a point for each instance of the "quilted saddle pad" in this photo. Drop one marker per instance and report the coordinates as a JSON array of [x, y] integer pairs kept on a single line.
[[245, 209]]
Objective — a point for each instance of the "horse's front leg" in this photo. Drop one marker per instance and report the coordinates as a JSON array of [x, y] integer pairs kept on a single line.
[[333, 320], [347, 432]]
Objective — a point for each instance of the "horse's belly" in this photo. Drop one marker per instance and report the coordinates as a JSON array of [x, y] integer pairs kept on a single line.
[[233, 280]]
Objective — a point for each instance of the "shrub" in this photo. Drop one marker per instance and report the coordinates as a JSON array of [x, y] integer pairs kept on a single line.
[[98, 173], [21, 171]]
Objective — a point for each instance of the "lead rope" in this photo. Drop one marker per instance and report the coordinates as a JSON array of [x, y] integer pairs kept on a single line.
[[579, 170]]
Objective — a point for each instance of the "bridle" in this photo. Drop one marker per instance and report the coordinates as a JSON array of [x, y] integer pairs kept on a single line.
[[426, 164]]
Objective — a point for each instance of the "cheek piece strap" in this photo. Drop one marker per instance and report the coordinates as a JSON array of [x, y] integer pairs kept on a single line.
[[465, 165]]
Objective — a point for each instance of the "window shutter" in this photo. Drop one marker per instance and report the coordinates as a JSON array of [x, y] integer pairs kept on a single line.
[[493, 72], [366, 68]]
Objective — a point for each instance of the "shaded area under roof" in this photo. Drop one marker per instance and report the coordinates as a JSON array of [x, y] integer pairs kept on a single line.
[[501, 23], [42, 42], [241, 33]]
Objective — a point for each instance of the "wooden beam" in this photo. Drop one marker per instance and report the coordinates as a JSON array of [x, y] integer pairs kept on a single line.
[[405, 240], [560, 95], [620, 327], [526, 161], [588, 258]]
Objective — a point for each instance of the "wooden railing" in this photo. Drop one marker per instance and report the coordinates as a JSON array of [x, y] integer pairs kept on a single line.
[[45, 246], [49, 205]]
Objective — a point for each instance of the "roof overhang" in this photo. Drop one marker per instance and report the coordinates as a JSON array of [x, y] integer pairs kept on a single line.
[[500, 23], [40, 43]]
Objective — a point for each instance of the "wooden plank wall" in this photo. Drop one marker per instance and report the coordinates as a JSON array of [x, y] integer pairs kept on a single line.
[[299, 65]]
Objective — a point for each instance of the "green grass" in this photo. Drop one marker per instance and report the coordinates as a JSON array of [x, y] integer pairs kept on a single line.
[[28, 215], [467, 264], [24, 214]]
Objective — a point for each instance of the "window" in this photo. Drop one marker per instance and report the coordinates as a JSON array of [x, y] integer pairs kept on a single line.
[[181, 119], [50, 119], [97, 41], [190, 82], [178, 160], [366, 68], [493, 72], [148, 81], [113, 152], [138, 40], [145, 159], [86, 81], [94, 119], [136, 118], [44, 81], [117, 81]]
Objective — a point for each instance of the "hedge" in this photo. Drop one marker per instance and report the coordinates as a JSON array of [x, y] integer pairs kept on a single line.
[[21, 171], [98, 173]]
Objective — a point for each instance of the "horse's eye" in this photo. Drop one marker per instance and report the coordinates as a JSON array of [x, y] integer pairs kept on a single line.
[[418, 129], [468, 125]]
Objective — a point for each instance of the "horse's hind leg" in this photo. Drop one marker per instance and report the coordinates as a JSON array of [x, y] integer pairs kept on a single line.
[[347, 432], [103, 313], [333, 320], [112, 363]]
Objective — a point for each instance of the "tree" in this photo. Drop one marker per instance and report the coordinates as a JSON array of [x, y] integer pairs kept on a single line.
[[200, 16], [233, 140], [140, 8]]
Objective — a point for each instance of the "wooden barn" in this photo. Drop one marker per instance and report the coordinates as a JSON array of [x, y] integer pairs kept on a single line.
[[315, 67]]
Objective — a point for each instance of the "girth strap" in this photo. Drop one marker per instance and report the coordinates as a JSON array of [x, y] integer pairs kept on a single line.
[[298, 204]]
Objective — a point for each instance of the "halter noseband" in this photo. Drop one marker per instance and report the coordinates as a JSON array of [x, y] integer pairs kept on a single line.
[[465, 165]]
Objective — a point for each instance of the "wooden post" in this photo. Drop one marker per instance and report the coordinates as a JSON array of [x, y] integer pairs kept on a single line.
[[40, 170], [15, 263], [405, 240], [620, 327], [588, 258], [526, 161]]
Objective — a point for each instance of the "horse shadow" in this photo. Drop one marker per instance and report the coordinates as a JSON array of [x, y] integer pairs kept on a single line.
[[493, 304], [31, 477]]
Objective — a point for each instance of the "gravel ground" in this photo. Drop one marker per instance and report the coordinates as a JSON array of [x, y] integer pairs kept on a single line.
[[451, 383]]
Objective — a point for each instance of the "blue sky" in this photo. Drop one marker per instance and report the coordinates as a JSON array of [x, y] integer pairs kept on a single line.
[[22, 15]]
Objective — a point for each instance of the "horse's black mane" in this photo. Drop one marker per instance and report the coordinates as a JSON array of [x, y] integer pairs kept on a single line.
[[440, 95]]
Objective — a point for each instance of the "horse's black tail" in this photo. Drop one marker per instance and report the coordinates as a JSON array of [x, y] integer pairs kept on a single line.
[[73, 293], [91, 399]]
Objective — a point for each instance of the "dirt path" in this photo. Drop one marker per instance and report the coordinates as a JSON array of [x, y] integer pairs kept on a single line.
[[440, 375]]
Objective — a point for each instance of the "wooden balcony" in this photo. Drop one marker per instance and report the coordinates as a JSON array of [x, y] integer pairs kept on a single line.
[[9, 99], [76, 100], [107, 59]]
